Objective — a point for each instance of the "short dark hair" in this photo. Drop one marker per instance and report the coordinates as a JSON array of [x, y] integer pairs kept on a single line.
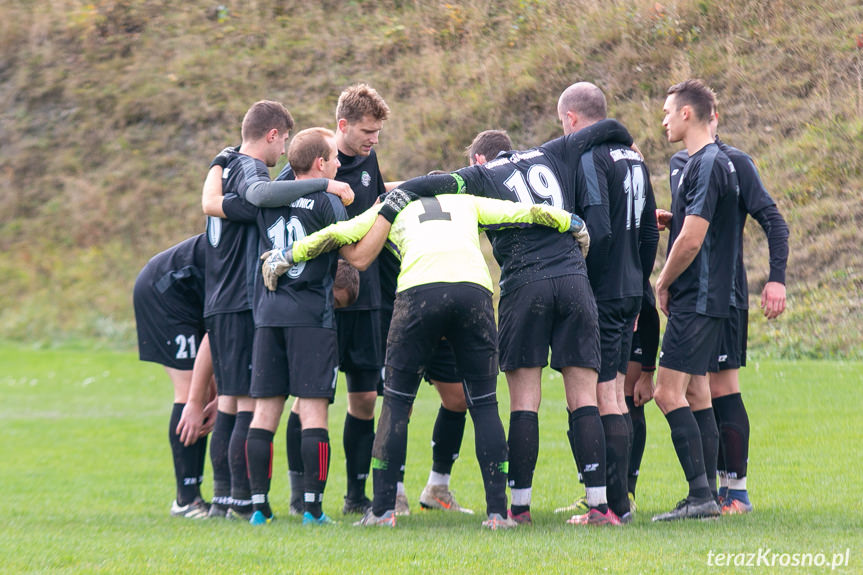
[[347, 279], [360, 100], [307, 146], [697, 95], [264, 116], [489, 144]]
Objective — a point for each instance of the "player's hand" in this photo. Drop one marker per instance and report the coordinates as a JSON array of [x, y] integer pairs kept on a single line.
[[342, 190], [209, 417], [663, 219], [395, 202], [191, 423], [578, 229], [773, 299], [222, 157], [276, 263], [643, 391]]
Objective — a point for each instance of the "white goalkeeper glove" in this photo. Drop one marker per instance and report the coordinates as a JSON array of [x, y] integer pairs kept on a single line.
[[276, 263], [579, 230]]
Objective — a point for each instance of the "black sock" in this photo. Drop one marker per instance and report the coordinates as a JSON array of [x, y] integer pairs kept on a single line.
[[316, 458], [491, 453], [588, 444], [639, 438], [294, 448], [687, 443], [389, 451], [185, 460], [241, 495], [446, 439], [616, 460], [259, 456], [523, 443], [219, 457], [709, 443], [358, 438], [733, 433]]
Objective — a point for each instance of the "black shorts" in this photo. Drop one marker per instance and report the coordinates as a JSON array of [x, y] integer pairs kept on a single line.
[[616, 324], [164, 338], [231, 337], [559, 313], [442, 366], [297, 361], [731, 353], [360, 343], [689, 342], [461, 312]]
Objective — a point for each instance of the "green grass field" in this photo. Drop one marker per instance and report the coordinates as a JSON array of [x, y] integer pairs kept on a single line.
[[87, 483]]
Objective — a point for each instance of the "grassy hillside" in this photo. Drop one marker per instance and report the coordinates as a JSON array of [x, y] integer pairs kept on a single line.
[[112, 109]]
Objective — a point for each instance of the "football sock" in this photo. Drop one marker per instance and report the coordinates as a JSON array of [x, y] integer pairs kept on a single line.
[[389, 455], [588, 445], [358, 438], [687, 444], [316, 458], [259, 455], [241, 495], [523, 441], [446, 439], [491, 452], [219, 457], [185, 460], [616, 461], [436, 478], [639, 438], [294, 447], [709, 443], [734, 437]]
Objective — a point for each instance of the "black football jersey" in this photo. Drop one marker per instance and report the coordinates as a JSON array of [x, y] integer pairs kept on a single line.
[[546, 174], [232, 242], [174, 280], [304, 295], [707, 188], [619, 209]]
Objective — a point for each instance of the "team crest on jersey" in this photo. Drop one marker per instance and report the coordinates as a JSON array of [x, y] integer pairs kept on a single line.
[[366, 179]]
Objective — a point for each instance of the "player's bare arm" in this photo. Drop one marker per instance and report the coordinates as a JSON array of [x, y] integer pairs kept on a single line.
[[683, 252]]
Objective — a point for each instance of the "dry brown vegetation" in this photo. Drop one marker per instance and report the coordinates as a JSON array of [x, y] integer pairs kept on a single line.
[[111, 110]]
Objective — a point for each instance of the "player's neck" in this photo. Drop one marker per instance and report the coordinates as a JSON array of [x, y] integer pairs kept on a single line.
[[253, 150], [696, 138]]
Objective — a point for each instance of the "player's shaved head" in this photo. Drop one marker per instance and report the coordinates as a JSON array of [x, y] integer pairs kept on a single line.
[[584, 99]]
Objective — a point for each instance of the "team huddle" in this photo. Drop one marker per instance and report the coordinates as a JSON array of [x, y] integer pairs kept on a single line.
[[331, 268]]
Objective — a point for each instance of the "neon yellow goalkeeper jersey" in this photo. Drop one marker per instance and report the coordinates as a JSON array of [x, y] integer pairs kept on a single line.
[[437, 238]]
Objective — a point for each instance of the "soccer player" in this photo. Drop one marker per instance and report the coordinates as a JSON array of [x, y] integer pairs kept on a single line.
[[545, 302], [731, 415], [169, 304], [617, 203], [694, 289], [444, 290], [231, 247], [295, 348], [360, 114]]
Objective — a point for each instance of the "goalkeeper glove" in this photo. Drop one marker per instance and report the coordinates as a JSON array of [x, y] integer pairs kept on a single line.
[[579, 230], [276, 263], [395, 202]]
